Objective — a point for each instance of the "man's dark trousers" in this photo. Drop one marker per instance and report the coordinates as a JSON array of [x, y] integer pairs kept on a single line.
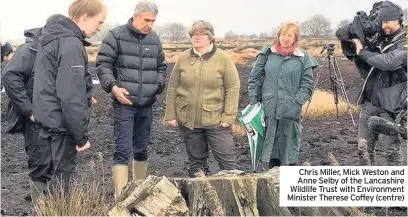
[[131, 131]]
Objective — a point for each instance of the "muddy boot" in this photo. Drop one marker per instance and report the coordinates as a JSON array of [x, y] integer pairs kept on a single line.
[[36, 189], [139, 170], [273, 162], [120, 178], [362, 152]]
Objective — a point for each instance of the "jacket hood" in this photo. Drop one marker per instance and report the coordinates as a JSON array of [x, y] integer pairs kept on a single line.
[[58, 26], [32, 35]]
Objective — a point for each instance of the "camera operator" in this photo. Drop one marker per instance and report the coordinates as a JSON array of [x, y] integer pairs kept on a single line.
[[384, 70]]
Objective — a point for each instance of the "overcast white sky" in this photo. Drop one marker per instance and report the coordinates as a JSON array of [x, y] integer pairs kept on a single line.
[[240, 16]]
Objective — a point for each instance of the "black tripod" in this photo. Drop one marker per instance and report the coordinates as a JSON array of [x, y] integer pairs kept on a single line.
[[335, 79]]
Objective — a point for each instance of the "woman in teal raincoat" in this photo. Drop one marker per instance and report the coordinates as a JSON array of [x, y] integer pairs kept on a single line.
[[287, 74]]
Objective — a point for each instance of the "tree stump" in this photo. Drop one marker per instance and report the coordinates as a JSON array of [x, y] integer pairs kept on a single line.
[[232, 193], [354, 210], [155, 196], [239, 194]]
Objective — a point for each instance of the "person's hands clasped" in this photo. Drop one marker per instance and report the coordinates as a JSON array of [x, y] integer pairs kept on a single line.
[[173, 123], [224, 124], [120, 95]]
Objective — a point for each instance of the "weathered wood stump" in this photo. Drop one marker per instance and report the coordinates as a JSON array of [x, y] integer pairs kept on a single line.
[[224, 194], [238, 194], [155, 196], [356, 211]]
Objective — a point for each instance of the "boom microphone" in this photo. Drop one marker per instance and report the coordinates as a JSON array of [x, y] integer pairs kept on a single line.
[[347, 44], [384, 126], [343, 33]]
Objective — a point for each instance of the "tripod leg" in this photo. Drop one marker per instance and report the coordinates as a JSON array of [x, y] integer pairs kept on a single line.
[[337, 111], [334, 85], [343, 89], [336, 99]]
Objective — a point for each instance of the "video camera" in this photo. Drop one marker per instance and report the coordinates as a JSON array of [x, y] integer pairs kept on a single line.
[[329, 47], [6, 49], [365, 27]]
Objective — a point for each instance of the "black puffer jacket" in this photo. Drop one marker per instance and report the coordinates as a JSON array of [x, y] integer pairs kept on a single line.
[[133, 61], [62, 83], [383, 69]]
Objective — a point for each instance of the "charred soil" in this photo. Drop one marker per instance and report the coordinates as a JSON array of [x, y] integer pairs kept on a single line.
[[167, 155]]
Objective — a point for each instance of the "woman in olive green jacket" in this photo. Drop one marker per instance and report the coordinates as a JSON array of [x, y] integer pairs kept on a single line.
[[287, 71], [202, 100]]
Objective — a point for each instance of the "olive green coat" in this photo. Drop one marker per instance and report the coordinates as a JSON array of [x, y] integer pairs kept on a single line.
[[203, 91]]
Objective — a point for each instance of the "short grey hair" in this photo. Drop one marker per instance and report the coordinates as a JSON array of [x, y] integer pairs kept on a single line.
[[146, 6]]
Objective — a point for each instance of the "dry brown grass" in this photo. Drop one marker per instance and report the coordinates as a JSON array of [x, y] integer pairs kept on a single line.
[[82, 199], [322, 106], [172, 56], [243, 57], [238, 130], [242, 51]]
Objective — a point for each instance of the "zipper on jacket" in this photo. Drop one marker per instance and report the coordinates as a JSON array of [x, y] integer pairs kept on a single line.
[[140, 69]]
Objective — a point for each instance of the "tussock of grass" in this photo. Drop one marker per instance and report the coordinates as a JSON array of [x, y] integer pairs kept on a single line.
[[322, 106], [82, 199]]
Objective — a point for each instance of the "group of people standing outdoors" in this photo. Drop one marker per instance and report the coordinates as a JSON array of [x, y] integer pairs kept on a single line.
[[50, 91]]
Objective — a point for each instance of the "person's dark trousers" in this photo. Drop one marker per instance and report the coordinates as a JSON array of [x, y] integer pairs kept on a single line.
[[367, 138], [197, 142], [39, 153], [39, 156], [131, 129], [63, 159]]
